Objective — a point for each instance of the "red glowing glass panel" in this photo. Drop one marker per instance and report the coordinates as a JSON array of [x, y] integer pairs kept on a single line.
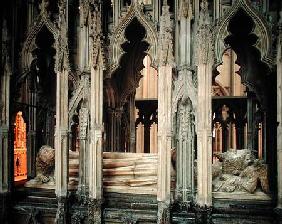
[[20, 157]]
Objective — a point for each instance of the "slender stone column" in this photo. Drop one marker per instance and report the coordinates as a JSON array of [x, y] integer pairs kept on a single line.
[[166, 62], [132, 140], [184, 184], [96, 150], [83, 157], [61, 144], [250, 121], [96, 117], [4, 124], [31, 136], [279, 117], [62, 129], [204, 119]]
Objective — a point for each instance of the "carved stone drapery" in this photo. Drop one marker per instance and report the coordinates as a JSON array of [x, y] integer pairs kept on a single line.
[[204, 62], [166, 63]]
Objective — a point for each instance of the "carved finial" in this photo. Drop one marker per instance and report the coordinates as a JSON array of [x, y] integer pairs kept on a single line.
[[186, 9], [44, 7], [204, 13]]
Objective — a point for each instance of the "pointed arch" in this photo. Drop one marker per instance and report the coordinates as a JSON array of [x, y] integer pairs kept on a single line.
[[29, 43], [261, 29], [118, 38]]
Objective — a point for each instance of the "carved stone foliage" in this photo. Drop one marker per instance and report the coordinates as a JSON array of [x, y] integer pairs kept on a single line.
[[135, 10], [262, 30], [83, 122], [94, 211], [163, 213], [61, 211], [165, 48], [78, 217], [98, 57]]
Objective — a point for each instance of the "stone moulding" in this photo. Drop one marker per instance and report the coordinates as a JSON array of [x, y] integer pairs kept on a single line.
[[118, 37], [30, 45], [261, 29]]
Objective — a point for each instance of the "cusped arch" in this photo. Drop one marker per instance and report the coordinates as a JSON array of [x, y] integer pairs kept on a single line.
[[261, 30], [118, 38], [30, 45]]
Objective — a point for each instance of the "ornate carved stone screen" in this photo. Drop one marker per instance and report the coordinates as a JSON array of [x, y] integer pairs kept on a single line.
[[238, 151], [20, 157]]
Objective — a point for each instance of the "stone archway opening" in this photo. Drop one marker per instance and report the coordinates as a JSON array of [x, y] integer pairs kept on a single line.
[[130, 162], [240, 110]]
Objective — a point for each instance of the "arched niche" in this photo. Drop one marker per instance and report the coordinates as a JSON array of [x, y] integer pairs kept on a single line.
[[120, 87], [260, 29], [252, 45], [135, 11], [29, 44]]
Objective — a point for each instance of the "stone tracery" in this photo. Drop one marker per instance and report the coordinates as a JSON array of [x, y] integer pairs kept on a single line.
[[96, 56]]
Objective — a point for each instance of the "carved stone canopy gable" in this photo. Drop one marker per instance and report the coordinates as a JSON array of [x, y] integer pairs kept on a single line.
[[261, 30], [30, 45], [118, 37], [184, 89], [81, 92]]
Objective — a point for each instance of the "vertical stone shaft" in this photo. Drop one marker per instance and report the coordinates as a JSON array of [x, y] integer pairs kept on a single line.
[[204, 141], [61, 137], [204, 52], [185, 136], [164, 131], [4, 124], [96, 150], [279, 115], [96, 125]]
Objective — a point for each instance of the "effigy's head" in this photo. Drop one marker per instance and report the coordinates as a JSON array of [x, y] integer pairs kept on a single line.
[[236, 160], [45, 160]]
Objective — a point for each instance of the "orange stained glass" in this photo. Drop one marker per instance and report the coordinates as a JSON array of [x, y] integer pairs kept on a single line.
[[20, 157]]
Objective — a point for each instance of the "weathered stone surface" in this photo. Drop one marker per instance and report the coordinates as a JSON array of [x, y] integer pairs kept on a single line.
[[45, 166], [238, 170]]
